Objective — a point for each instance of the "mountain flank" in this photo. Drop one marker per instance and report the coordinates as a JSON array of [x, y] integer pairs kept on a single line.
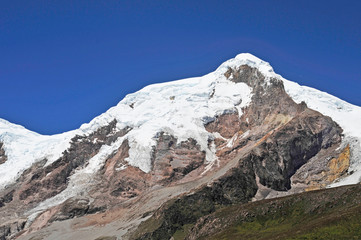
[[168, 159]]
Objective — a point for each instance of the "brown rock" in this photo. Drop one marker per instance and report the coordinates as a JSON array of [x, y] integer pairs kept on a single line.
[[339, 166], [173, 160], [226, 125]]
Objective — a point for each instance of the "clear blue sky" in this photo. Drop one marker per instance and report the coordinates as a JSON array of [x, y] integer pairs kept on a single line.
[[62, 63]]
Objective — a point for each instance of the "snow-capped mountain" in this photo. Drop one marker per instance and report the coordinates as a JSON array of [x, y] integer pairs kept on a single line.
[[173, 138]]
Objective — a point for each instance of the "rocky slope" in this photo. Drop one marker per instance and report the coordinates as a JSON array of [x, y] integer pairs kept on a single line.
[[176, 152]]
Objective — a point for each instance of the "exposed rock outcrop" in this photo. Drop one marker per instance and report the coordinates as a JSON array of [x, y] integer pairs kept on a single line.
[[288, 135], [117, 180], [50, 180], [8, 197], [226, 125], [339, 166], [3, 156], [316, 176], [74, 207], [9, 229], [173, 160]]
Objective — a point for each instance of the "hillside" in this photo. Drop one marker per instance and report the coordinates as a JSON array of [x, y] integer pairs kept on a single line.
[[324, 214]]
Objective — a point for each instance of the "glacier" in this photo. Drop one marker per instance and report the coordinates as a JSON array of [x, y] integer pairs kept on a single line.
[[179, 108]]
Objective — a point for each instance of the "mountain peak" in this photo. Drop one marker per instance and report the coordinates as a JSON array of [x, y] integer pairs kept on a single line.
[[237, 133], [247, 59]]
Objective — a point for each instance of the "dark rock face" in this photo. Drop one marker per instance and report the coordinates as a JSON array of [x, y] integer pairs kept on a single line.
[[237, 186], [3, 156], [4, 232], [278, 158], [315, 176], [8, 230], [8, 197], [74, 207]]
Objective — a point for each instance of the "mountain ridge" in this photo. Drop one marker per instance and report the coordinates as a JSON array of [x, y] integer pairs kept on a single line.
[[242, 121], [240, 59]]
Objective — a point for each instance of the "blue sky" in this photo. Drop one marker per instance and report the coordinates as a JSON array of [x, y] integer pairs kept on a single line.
[[62, 63]]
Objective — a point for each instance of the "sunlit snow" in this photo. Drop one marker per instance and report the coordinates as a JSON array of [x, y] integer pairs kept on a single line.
[[179, 108]]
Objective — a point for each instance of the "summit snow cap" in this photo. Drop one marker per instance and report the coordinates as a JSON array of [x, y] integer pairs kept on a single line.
[[247, 59]]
